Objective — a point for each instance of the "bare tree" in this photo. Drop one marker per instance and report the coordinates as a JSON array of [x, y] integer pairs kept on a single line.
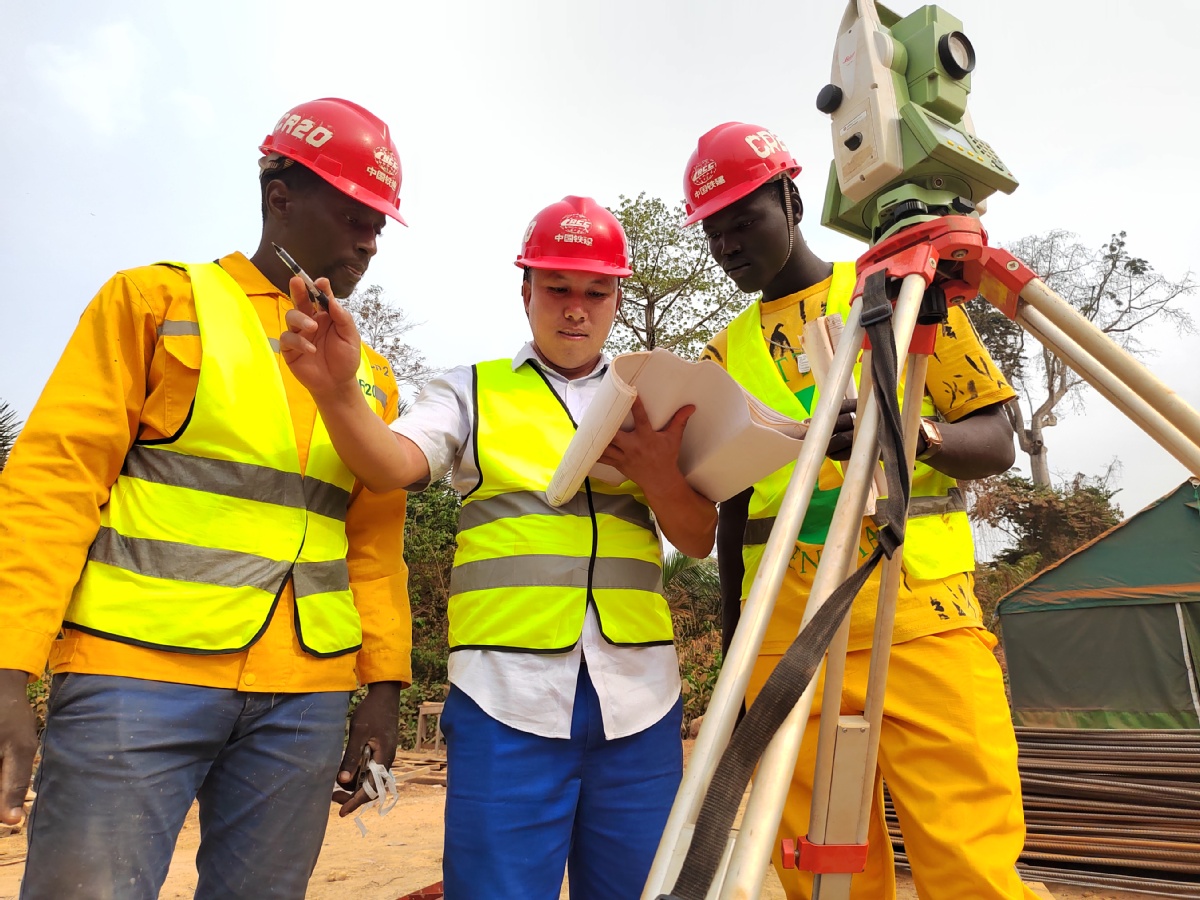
[[10, 427], [383, 326], [677, 297], [1116, 291]]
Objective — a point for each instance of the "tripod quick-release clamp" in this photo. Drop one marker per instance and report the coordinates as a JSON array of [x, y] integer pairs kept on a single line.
[[823, 859]]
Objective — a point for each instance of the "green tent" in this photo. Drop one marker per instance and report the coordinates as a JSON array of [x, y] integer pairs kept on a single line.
[[1109, 637]]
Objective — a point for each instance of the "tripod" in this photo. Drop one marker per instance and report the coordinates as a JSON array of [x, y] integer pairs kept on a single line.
[[950, 252]]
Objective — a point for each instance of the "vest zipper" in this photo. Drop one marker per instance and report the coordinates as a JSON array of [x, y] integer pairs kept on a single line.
[[587, 485]]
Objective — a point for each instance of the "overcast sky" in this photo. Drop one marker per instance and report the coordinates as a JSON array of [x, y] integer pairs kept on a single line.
[[131, 132]]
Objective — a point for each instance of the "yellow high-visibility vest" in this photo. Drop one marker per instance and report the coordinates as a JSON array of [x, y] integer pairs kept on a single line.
[[202, 530], [937, 541], [524, 571]]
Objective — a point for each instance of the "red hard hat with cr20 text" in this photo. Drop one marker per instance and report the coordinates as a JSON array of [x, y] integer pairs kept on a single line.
[[730, 162], [347, 146], [576, 234]]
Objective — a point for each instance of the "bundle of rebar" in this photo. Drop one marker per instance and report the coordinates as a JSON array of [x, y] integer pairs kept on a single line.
[[1107, 809]]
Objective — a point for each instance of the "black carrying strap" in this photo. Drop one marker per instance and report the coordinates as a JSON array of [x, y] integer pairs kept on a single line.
[[801, 661]]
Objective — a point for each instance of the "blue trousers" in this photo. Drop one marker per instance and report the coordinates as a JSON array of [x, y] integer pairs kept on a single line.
[[123, 759], [521, 808]]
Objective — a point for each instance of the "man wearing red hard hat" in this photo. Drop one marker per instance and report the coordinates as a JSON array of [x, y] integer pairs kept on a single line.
[[562, 723], [205, 576], [947, 749]]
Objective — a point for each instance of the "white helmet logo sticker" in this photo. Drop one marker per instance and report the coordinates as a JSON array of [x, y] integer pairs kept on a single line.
[[387, 160], [576, 223], [575, 228], [703, 171]]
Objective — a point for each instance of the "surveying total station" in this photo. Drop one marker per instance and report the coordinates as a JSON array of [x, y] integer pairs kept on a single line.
[[911, 179], [904, 149]]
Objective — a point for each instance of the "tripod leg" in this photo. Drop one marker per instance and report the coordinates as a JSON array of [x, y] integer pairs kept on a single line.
[[835, 675], [1117, 391], [1097, 344], [730, 688], [845, 824], [752, 848], [756, 838]]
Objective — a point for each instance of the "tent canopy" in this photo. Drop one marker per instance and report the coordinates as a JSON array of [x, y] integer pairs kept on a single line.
[[1109, 637], [1151, 557]]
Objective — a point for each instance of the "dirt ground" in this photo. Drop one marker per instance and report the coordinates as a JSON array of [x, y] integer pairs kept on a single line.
[[401, 853]]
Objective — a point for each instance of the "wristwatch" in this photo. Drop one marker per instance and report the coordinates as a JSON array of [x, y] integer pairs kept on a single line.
[[932, 436]]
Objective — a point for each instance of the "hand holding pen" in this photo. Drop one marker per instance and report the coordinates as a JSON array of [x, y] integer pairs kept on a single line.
[[314, 294], [320, 343]]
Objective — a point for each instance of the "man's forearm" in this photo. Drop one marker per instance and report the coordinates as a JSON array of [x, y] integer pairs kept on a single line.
[[377, 456], [976, 446], [687, 519]]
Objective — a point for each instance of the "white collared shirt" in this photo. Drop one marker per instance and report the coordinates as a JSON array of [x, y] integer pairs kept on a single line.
[[535, 692]]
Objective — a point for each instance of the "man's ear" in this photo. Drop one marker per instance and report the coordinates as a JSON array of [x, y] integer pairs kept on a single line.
[[797, 203], [277, 199], [526, 293], [620, 297]]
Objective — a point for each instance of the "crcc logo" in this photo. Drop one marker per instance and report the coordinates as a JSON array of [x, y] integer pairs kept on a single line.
[[703, 171], [576, 224], [575, 228], [387, 160]]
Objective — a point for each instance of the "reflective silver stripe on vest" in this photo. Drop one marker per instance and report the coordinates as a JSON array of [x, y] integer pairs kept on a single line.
[[177, 326], [245, 481], [533, 503], [758, 530], [953, 502], [184, 562], [538, 570], [181, 327], [320, 577], [326, 499]]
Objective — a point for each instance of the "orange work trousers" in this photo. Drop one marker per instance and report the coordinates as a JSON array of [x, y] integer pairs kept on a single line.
[[949, 756]]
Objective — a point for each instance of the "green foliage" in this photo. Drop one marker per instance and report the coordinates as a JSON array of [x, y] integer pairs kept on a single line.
[[38, 694], [430, 524], [699, 665], [10, 427], [693, 591], [677, 296], [997, 578], [1043, 524], [429, 542]]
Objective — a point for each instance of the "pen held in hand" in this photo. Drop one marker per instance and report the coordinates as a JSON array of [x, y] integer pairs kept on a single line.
[[314, 294]]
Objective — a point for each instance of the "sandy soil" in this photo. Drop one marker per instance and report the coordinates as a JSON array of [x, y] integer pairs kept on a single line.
[[402, 852]]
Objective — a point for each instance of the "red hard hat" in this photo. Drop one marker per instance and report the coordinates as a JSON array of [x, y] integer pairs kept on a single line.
[[577, 234], [347, 146], [730, 162]]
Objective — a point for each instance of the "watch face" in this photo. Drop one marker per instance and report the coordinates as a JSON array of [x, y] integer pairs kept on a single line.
[[932, 437]]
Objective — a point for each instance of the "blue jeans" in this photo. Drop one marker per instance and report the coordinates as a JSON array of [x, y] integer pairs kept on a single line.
[[123, 759], [521, 808]]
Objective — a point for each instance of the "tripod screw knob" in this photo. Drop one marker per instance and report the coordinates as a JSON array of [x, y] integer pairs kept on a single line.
[[788, 846], [829, 99]]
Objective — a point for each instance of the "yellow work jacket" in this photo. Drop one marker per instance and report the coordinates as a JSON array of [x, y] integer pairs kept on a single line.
[[524, 571], [203, 529], [938, 540]]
